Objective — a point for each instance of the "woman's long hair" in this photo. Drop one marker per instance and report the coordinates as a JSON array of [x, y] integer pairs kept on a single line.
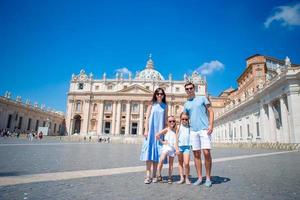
[[154, 98]]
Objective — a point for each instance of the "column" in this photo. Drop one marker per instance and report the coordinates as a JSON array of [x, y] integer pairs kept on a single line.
[[284, 120], [69, 120], [294, 107], [113, 124], [86, 117], [128, 111], [272, 134], [118, 120], [100, 118], [141, 121]]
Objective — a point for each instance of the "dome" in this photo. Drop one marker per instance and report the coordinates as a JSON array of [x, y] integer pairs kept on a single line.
[[149, 73]]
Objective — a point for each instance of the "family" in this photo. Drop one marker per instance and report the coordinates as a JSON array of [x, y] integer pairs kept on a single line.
[[164, 139]]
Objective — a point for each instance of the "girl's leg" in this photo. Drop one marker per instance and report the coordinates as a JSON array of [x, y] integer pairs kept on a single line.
[[180, 167], [171, 161], [186, 160], [160, 164]]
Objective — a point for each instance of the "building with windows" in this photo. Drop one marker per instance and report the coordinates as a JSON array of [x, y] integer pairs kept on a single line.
[[265, 108], [17, 116], [117, 106]]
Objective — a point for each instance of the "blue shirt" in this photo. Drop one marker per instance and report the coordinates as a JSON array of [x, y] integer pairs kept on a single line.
[[196, 109]]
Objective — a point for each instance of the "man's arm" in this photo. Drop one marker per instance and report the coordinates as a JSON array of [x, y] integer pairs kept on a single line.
[[211, 118]]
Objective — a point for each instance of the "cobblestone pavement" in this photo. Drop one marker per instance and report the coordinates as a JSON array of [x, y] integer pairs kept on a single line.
[[272, 176]]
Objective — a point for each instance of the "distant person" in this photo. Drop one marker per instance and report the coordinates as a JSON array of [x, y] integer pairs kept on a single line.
[[155, 121], [40, 135], [201, 123], [183, 147], [168, 148]]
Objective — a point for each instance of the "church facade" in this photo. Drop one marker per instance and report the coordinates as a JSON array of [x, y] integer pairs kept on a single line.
[[118, 106]]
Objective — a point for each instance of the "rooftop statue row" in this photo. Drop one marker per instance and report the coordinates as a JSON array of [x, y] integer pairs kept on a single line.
[[147, 74]]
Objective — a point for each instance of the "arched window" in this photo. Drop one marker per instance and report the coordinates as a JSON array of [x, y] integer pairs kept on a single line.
[[78, 106]]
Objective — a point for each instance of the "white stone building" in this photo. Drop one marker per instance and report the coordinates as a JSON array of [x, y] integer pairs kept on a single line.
[[118, 106], [18, 116], [265, 108]]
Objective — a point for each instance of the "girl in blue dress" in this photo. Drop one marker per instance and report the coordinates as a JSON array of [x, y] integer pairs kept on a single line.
[[156, 119]]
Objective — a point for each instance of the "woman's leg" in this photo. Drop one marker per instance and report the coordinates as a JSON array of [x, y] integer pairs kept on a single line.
[[148, 168]]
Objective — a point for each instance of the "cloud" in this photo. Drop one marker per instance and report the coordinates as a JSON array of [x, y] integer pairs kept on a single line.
[[209, 68], [124, 71], [287, 15]]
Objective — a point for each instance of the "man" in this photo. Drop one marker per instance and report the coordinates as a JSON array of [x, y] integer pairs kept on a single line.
[[201, 123]]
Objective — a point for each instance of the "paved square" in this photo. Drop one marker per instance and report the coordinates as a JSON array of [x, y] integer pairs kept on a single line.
[[51, 169]]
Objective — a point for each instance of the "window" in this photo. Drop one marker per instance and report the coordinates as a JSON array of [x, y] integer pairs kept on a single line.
[[9, 121], [257, 129], [177, 89], [107, 127], [147, 87], [134, 128], [108, 107], [78, 106], [80, 86], [97, 87], [29, 124], [125, 86], [123, 107], [44, 123], [248, 130], [109, 87], [36, 125], [135, 108]]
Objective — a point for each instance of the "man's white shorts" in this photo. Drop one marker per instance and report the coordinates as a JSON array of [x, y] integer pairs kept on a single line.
[[200, 140]]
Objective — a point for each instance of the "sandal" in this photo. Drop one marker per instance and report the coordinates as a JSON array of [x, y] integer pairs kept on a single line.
[[181, 181], [170, 181], [159, 179], [147, 180]]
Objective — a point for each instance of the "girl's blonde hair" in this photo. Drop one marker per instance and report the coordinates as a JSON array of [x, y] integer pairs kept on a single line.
[[184, 113]]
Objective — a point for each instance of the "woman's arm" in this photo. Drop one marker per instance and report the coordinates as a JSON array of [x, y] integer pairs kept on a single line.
[[166, 116], [147, 120]]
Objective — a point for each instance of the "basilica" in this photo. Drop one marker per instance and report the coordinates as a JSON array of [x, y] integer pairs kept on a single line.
[[118, 106]]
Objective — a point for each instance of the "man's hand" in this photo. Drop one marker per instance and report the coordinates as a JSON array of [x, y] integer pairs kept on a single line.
[[210, 130]]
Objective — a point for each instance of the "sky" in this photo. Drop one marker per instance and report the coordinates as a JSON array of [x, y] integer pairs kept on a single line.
[[42, 43]]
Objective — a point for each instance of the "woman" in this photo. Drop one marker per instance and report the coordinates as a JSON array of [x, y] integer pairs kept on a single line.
[[156, 119]]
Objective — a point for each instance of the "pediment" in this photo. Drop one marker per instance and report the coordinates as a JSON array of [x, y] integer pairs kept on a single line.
[[135, 89]]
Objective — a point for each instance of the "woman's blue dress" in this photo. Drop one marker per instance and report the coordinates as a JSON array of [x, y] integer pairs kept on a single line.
[[151, 147]]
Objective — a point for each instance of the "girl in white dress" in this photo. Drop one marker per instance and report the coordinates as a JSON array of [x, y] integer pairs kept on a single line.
[[168, 148]]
